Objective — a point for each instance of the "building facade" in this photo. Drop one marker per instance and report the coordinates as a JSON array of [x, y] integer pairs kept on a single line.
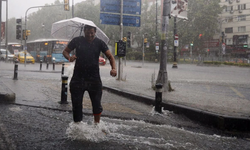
[[234, 23]]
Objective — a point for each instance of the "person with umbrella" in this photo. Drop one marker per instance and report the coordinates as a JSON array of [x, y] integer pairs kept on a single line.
[[86, 76]]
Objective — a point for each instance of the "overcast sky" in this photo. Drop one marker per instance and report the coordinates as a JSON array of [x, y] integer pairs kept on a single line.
[[17, 8]]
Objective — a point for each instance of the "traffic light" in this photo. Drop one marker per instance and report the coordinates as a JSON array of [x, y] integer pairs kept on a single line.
[[200, 35], [191, 44], [145, 40], [27, 32], [18, 32], [18, 21], [24, 35], [124, 39], [120, 48], [129, 40], [66, 5]]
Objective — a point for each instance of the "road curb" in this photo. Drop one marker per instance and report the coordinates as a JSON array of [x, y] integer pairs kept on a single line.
[[6, 94], [222, 122]]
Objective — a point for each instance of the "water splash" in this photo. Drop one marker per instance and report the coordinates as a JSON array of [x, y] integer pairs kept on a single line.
[[164, 112], [87, 132]]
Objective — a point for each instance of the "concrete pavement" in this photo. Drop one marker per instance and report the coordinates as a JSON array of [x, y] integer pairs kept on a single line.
[[221, 111]]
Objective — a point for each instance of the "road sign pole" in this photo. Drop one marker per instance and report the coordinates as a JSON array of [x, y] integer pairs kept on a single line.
[[175, 38], [162, 75], [120, 67]]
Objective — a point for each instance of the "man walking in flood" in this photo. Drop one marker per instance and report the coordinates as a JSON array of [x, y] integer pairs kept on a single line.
[[86, 76]]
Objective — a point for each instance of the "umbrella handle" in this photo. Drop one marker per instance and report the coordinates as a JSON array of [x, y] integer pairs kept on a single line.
[[81, 31]]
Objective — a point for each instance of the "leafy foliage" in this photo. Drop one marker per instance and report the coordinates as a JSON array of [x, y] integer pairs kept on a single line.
[[202, 19], [202, 16]]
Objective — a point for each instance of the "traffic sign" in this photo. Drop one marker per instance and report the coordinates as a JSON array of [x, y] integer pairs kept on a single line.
[[114, 6], [156, 48], [114, 19], [223, 45], [176, 42], [176, 37]]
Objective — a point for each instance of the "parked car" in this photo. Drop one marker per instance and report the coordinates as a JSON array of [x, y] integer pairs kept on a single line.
[[3, 55], [21, 56], [102, 61]]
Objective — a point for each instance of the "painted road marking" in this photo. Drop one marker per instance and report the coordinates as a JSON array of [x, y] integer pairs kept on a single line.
[[237, 92]]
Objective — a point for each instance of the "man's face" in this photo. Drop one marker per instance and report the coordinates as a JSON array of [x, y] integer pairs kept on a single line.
[[90, 34]]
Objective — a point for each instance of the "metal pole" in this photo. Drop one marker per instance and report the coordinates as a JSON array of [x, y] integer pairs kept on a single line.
[[47, 65], [15, 70], [158, 98], [41, 64], [53, 65], [1, 22], [72, 8], [6, 26], [175, 32], [64, 90], [143, 49], [120, 68], [156, 34], [63, 69], [162, 75]]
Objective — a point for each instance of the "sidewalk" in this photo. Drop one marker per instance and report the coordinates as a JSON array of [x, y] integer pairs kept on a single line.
[[219, 110]]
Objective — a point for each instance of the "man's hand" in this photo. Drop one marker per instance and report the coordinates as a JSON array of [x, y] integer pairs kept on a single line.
[[72, 58], [113, 72]]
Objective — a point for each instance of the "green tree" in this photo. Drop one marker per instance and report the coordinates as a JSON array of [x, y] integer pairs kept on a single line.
[[202, 19]]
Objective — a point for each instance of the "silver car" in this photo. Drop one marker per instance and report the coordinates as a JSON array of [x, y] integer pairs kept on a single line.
[[10, 56]]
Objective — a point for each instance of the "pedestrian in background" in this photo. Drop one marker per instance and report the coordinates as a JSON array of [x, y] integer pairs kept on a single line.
[[86, 75]]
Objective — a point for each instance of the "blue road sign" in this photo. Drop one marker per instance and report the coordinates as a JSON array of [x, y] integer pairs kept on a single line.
[[113, 19], [114, 6]]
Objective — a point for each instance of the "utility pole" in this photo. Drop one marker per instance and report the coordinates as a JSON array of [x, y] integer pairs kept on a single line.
[[6, 27], [1, 21], [120, 67], [156, 31], [175, 34], [72, 8], [162, 75]]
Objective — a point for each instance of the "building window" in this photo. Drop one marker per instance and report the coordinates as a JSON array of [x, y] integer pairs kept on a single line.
[[242, 29], [229, 41], [229, 8], [229, 30], [230, 19], [242, 7], [242, 18]]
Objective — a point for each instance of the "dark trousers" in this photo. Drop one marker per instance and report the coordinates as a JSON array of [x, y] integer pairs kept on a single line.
[[77, 89]]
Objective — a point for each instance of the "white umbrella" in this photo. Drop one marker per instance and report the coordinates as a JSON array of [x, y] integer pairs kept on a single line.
[[70, 28]]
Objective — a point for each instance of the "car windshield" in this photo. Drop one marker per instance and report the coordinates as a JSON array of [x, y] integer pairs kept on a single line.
[[27, 54]]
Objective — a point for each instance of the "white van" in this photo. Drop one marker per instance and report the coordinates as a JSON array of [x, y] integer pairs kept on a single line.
[[3, 55]]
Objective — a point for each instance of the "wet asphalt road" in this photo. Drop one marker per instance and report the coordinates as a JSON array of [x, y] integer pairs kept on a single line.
[[34, 128], [130, 125]]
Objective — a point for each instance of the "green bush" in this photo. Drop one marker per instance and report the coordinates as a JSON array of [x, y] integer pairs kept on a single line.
[[212, 62], [228, 63]]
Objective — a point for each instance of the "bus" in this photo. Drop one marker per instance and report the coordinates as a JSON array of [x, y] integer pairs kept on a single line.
[[47, 50], [14, 48]]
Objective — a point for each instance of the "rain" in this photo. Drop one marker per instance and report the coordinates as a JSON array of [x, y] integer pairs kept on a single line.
[[190, 58]]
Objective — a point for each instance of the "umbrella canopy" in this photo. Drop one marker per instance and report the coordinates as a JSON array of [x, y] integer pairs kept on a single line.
[[70, 28]]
